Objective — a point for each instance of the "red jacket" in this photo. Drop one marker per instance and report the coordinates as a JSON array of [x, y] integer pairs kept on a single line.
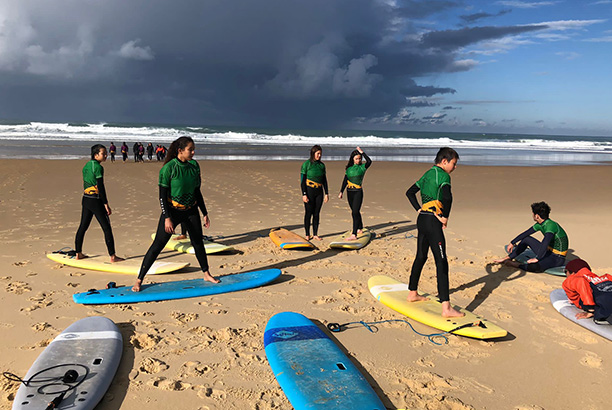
[[577, 287]]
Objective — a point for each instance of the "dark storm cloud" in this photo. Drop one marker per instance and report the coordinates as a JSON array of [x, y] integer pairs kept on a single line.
[[472, 18], [448, 107], [450, 40], [275, 63]]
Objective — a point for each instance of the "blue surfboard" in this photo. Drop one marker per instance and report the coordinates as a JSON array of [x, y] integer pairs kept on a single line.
[[312, 370], [178, 289]]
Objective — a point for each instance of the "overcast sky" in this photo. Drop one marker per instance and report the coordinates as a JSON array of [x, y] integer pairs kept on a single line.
[[486, 66]]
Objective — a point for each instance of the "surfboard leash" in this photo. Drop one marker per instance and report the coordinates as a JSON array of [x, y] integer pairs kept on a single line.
[[71, 376], [371, 326]]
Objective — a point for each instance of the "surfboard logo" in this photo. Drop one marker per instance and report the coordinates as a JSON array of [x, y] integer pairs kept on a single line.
[[70, 336], [285, 334]]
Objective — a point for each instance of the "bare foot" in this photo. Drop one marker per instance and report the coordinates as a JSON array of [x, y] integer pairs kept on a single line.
[[136, 287], [448, 311], [502, 260], [351, 238], [116, 258], [180, 237], [80, 255], [308, 237], [413, 296], [317, 237], [209, 278], [359, 231]]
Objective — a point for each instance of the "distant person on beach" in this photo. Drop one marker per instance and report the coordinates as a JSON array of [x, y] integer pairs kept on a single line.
[[353, 180], [141, 151], [158, 152], [179, 197], [124, 151], [589, 292], [95, 203], [113, 150], [550, 252], [150, 151], [436, 197], [313, 182], [135, 151]]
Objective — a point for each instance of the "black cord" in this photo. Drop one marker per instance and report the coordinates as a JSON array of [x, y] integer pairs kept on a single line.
[[71, 376]]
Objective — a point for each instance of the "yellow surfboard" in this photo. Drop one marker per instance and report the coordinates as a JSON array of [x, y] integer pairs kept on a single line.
[[429, 312], [184, 245], [288, 240], [102, 263], [361, 241]]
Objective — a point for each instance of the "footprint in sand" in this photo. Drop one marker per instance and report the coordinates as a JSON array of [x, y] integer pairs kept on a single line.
[[18, 288], [151, 366], [591, 360]]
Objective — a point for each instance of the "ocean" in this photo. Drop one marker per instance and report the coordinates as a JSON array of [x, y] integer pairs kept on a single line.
[[72, 141]]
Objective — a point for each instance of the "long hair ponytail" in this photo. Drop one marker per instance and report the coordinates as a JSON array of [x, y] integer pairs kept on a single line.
[[179, 143], [351, 160]]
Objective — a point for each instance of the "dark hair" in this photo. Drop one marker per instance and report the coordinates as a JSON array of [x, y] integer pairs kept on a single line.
[[313, 150], [446, 153], [541, 208], [96, 149], [351, 161], [177, 144]]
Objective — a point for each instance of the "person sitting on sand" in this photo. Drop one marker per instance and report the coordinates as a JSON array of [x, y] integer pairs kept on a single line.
[[179, 197], [353, 180], [95, 203], [589, 292], [433, 216], [550, 253]]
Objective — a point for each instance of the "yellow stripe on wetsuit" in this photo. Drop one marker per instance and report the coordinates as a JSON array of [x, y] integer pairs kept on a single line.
[[350, 185], [434, 206], [92, 190], [557, 252], [313, 184]]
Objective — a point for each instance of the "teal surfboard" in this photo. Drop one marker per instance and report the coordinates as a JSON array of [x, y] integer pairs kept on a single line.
[[529, 254], [312, 370], [178, 289]]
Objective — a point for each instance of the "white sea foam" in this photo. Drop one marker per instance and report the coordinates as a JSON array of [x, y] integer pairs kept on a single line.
[[37, 131]]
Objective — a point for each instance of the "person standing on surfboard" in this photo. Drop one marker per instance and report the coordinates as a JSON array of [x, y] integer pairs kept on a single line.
[[179, 197], [550, 253], [313, 181], [95, 203], [353, 179], [589, 292], [433, 216]]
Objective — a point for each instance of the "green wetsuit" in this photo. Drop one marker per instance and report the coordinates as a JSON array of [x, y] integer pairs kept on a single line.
[[182, 180]]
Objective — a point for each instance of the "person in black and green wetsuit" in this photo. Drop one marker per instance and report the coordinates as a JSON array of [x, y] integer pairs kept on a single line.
[[433, 216], [179, 197], [550, 253], [353, 180], [95, 203], [313, 182]]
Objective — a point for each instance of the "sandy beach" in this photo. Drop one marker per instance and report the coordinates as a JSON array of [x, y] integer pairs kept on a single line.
[[207, 353]]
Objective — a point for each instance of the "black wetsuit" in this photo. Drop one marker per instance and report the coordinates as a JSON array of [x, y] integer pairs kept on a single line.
[[435, 187], [313, 182], [550, 253], [94, 199], [180, 198], [353, 178]]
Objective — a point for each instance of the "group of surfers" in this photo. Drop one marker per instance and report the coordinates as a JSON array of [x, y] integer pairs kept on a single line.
[[181, 202]]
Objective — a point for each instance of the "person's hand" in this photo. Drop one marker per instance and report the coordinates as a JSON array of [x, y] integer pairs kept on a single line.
[[108, 209], [340, 195], [206, 221], [443, 220], [584, 315], [305, 199], [168, 226], [360, 150], [510, 247], [325, 198]]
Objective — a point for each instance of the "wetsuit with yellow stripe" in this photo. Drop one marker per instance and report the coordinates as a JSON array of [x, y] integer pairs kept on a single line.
[[94, 199], [180, 198], [436, 199], [550, 252], [313, 183], [353, 181]]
